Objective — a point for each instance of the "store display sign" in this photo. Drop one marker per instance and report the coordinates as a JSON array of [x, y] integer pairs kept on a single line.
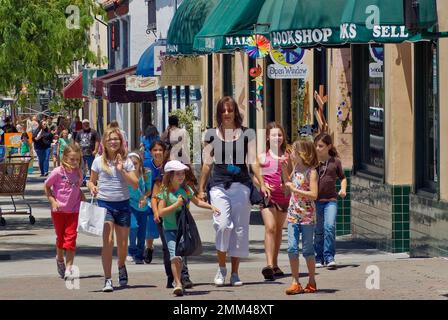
[[288, 64], [142, 84], [13, 139]]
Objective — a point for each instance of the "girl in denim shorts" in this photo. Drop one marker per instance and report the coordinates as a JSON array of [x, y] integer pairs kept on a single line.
[[302, 213], [111, 174], [172, 195]]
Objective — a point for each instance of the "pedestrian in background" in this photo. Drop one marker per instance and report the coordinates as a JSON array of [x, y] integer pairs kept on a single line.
[[42, 139], [111, 175], [274, 210], [89, 140], [25, 146], [54, 150], [330, 168], [176, 140], [151, 135], [302, 213], [63, 190], [62, 143], [139, 210]]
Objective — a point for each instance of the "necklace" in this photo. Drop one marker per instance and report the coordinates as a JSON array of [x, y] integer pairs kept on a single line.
[[321, 175], [223, 132], [68, 181]]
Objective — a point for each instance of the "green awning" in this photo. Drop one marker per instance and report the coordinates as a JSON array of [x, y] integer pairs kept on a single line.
[[186, 23], [228, 26], [300, 23]]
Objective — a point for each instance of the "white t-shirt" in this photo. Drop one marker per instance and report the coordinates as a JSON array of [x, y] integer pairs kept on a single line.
[[112, 187]]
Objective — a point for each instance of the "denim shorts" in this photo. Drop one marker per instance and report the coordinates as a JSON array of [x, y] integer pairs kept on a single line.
[[170, 237], [294, 231], [117, 212]]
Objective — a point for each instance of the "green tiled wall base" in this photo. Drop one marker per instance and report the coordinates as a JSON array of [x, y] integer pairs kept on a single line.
[[400, 219], [343, 218]]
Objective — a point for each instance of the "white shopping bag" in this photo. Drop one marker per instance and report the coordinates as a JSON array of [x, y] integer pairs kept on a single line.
[[91, 219]]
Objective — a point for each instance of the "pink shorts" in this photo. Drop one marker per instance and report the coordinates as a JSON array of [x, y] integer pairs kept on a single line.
[[65, 225]]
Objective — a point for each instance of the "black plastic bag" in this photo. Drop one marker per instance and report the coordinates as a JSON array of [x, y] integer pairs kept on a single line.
[[188, 241]]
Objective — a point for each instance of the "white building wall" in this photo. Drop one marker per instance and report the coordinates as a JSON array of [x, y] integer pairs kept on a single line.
[[139, 39]]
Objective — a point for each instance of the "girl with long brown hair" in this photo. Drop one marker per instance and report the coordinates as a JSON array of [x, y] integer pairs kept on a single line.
[[330, 168], [274, 210]]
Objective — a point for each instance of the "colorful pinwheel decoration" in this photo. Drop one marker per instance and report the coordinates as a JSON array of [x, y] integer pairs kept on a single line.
[[258, 46]]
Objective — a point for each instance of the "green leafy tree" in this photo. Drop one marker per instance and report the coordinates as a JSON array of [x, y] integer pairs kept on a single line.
[[39, 40]]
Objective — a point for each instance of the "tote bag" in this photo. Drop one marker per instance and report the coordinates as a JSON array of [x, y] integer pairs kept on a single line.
[[91, 219], [188, 241]]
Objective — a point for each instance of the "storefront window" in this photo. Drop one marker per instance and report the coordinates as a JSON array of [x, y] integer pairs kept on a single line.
[[426, 116], [228, 74], [368, 94]]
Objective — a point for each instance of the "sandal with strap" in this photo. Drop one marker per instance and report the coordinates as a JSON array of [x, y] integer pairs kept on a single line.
[[310, 289], [268, 273], [295, 288], [278, 272]]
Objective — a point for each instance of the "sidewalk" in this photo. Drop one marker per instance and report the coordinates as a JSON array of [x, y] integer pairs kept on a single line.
[[27, 261]]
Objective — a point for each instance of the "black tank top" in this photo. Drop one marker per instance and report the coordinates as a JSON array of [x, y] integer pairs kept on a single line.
[[230, 163]]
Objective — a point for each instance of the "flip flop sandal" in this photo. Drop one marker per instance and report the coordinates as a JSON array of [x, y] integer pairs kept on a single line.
[[310, 289], [294, 289], [268, 273]]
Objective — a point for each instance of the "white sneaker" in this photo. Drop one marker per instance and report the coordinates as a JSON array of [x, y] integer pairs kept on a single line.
[[108, 286], [332, 265], [69, 275], [235, 280], [130, 259], [220, 277], [319, 265]]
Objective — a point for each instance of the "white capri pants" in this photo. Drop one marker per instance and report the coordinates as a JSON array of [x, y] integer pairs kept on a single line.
[[232, 225]]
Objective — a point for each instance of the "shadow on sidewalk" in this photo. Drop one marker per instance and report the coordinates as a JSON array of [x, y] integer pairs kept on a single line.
[[14, 223], [33, 251]]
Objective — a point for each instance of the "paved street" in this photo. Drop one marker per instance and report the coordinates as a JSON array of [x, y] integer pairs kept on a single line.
[[28, 271]]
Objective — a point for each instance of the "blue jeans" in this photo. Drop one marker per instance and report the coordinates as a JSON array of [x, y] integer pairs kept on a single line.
[[137, 233], [166, 256], [170, 237], [89, 161], [44, 159], [325, 233], [152, 232], [294, 231]]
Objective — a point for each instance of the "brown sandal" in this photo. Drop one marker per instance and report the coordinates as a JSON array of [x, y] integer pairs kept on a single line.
[[268, 273]]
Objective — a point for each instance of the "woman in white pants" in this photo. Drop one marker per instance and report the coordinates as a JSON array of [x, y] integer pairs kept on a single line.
[[230, 149]]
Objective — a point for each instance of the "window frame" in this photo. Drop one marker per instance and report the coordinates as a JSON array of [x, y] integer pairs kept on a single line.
[[361, 115], [422, 184]]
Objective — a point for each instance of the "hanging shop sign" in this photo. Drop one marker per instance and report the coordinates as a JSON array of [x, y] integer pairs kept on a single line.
[[159, 53], [142, 84], [288, 64], [182, 71], [376, 68]]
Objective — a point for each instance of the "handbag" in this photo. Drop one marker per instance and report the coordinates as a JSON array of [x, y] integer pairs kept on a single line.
[[188, 240], [91, 219], [255, 195]]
